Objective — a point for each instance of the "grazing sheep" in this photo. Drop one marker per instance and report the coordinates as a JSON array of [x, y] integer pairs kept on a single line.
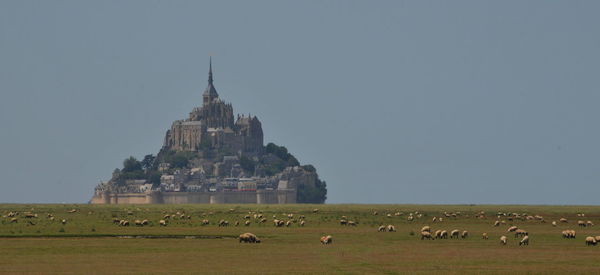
[[223, 223], [315, 210], [162, 223], [568, 234], [138, 223], [63, 221], [326, 239], [524, 241], [590, 240], [14, 220], [503, 240], [381, 229], [464, 234], [290, 216], [343, 222], [249, 238], [247, 223], [426, 235], [554, 223], [597, 238], [484, 236], [563, 220], [247, 217], [237, 223], [288, 223], [145, 222], [391, 228], [352, 223], [375, 213], [434, 219], [116, 221], [426, 229], [302, 222], [205, 222], [512, 229], [166, 217], [263, 220], [589, 223], [581, 224], [454, 234], [497, 223], [410, 218], [444, 234], [438, 234]]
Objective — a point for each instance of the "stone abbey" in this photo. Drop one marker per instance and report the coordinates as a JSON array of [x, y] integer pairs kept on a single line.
[[213, 156]]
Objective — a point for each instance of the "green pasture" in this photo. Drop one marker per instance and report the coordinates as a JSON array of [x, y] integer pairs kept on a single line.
[[89, 241]]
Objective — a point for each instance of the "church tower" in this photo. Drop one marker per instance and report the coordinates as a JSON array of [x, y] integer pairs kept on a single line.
[[210, 93]]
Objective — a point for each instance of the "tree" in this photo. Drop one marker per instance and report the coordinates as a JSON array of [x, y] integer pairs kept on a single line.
[[131, 164], [148, 162], [247, 164], [312, 194]]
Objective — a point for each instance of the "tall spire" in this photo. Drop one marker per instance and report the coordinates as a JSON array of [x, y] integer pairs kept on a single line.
[[210, 93], [210, 78]]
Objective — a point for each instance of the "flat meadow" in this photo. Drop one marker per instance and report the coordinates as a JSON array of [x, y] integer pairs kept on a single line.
[[90, 241]]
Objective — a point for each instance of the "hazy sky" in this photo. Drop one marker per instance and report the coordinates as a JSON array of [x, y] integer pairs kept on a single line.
[[392, 101]]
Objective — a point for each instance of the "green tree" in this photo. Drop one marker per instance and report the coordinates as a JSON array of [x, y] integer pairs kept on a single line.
[[131, 164], [247, 164], [148, 162]]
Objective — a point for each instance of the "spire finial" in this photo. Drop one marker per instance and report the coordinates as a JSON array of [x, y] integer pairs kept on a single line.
[[210, 77]]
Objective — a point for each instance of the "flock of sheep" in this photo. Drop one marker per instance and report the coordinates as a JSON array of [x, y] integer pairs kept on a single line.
[[426, 232]]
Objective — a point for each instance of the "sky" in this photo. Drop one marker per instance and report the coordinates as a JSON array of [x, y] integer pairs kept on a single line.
[[392, 101]]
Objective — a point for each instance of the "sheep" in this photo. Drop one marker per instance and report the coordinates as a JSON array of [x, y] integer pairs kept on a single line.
[[14, 220], [590, 240], [166, 217], [375, 213], [581, 223], [352, 223], [145, 222], [205, 222], [247, 217], [138, 223], [263, 220], [524, 241], [410, 218], [302, 222], [63, 221], [381, 229], [597, 238], [503, 240], [589, 223], [223, 223], [464, 234], [237, 223], [444, 234], [288, 223], [426, 235], [389, 215], [434, 219], [116, 221], [497, 223], [426, 229], [512, 229], [343, 222], [247, 223], [30, 215], [290, 216], [563, 220], [454, 233], [391, 228], [248, 238], [326, 239], [554, 223], [520, 232], [162, 223], [484, 236], [315, 210], [568, 234], [438, 234]]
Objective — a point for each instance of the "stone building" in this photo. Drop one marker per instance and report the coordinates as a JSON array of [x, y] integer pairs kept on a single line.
[[212, 125]]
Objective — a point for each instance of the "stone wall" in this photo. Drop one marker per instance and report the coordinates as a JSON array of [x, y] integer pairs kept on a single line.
[[229, 197]]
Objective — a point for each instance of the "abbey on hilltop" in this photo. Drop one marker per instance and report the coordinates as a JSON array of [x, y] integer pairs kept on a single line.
[[213, 157]]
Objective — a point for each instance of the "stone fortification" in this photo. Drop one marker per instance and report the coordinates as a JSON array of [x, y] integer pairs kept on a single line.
[[212, 157]]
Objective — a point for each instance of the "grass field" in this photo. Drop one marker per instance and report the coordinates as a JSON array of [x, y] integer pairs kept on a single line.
[[89, 242]]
